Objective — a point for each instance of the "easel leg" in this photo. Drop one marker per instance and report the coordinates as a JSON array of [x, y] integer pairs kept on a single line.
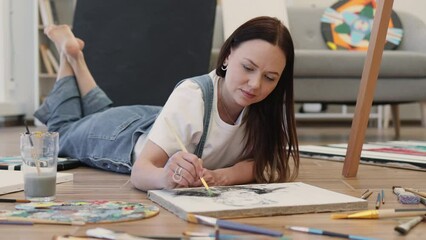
[[367, 87], [396, 122]]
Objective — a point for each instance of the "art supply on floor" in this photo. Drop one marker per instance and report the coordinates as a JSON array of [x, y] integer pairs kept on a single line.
[[423, 200], [9, 200], [405, 197], [405, 227], [378, 201], [383, 196], [34, 220], [10, 222], [366, 195], [382, 213], [103, 233], [415, 191], [232, 225], [218, 235], [326, 233]]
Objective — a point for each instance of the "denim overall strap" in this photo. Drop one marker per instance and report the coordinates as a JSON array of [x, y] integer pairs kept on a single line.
[[206, 85]]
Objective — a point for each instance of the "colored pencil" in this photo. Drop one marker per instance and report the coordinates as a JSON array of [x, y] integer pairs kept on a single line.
[[206, 235], [415, 191], [9, 222], [367, 195], [326, 233], [231, 225], [182, 146], [378, 201], [382, 213], [363, 195], [383, 196], [39, 221], [8, 200]]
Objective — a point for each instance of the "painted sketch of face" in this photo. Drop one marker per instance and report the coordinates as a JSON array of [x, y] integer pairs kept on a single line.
[[237, 196], [241, 198]]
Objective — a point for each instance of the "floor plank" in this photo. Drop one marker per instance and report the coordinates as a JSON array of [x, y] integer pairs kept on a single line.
[[90, 184]]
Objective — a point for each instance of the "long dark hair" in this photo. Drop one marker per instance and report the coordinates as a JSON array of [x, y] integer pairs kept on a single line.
[[271, 137]]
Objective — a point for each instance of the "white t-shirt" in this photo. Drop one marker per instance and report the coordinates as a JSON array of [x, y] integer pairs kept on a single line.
[[185, 111]]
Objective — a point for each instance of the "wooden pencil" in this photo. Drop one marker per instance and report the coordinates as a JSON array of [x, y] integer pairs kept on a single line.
[[39, 221]]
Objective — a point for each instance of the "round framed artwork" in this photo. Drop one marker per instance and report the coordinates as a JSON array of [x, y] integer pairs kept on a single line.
[[347, 25]]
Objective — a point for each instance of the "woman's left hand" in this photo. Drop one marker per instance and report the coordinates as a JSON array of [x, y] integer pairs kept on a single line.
[[215, 178]]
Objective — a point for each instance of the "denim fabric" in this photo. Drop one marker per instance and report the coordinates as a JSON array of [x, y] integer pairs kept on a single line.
[[91, 130]]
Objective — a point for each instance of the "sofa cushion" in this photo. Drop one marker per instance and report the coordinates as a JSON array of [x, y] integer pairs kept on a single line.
[[326, 63]]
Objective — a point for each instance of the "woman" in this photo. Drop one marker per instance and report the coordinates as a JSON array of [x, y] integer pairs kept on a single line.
[[250, 137]]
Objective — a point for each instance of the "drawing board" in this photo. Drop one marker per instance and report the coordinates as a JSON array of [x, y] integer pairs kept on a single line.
[[254, 200]]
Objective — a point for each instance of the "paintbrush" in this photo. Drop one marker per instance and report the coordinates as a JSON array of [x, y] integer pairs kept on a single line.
[[34, 154], [415, 191], [231, 225], [182, 146], [382, 213], [39, 221]]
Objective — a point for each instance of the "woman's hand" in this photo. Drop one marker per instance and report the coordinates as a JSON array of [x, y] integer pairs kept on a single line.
[[182, 170], [215, 178], [240, 173]]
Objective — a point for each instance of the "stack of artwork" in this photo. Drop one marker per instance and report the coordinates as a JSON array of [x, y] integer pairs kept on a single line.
[[401, 154]]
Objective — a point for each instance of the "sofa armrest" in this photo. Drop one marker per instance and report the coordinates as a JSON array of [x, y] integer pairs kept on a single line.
[[414, 33]]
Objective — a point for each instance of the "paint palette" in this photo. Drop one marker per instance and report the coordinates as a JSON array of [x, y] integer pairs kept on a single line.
[[99, 211]]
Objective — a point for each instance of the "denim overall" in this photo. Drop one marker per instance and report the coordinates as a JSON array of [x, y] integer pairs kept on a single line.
[[100, 135]]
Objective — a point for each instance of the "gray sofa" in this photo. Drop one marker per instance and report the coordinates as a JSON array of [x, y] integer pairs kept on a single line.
[[326, 76]]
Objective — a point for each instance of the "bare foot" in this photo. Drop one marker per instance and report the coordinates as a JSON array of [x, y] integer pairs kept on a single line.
[[64, 40]]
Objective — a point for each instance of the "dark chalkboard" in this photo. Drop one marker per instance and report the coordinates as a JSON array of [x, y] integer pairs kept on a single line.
[[137, 50]]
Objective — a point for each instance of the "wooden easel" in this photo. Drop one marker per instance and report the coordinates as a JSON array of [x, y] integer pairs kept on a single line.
[[367, 87]]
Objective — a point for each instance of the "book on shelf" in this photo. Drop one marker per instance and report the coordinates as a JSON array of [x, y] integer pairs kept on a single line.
[[45, 58], [45, 12], [52, 60]]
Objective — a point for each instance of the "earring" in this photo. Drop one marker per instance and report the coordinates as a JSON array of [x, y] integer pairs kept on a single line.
[[224, 67]]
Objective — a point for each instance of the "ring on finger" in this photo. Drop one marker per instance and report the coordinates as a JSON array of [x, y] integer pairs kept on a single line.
[[177, 177]]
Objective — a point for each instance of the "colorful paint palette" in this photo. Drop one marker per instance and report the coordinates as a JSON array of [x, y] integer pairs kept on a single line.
[[99, 211]]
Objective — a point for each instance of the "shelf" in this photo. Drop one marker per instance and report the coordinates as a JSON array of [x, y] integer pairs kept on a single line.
[[46, 75]]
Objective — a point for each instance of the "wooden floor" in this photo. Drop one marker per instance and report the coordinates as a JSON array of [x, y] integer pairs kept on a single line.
[[91, 184]]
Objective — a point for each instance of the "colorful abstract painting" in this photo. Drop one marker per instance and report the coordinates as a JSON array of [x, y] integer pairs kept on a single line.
[[347, 25]]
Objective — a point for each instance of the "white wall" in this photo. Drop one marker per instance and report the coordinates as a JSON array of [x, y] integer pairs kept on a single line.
[[4, 46], [8, 105], [20, 87]]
